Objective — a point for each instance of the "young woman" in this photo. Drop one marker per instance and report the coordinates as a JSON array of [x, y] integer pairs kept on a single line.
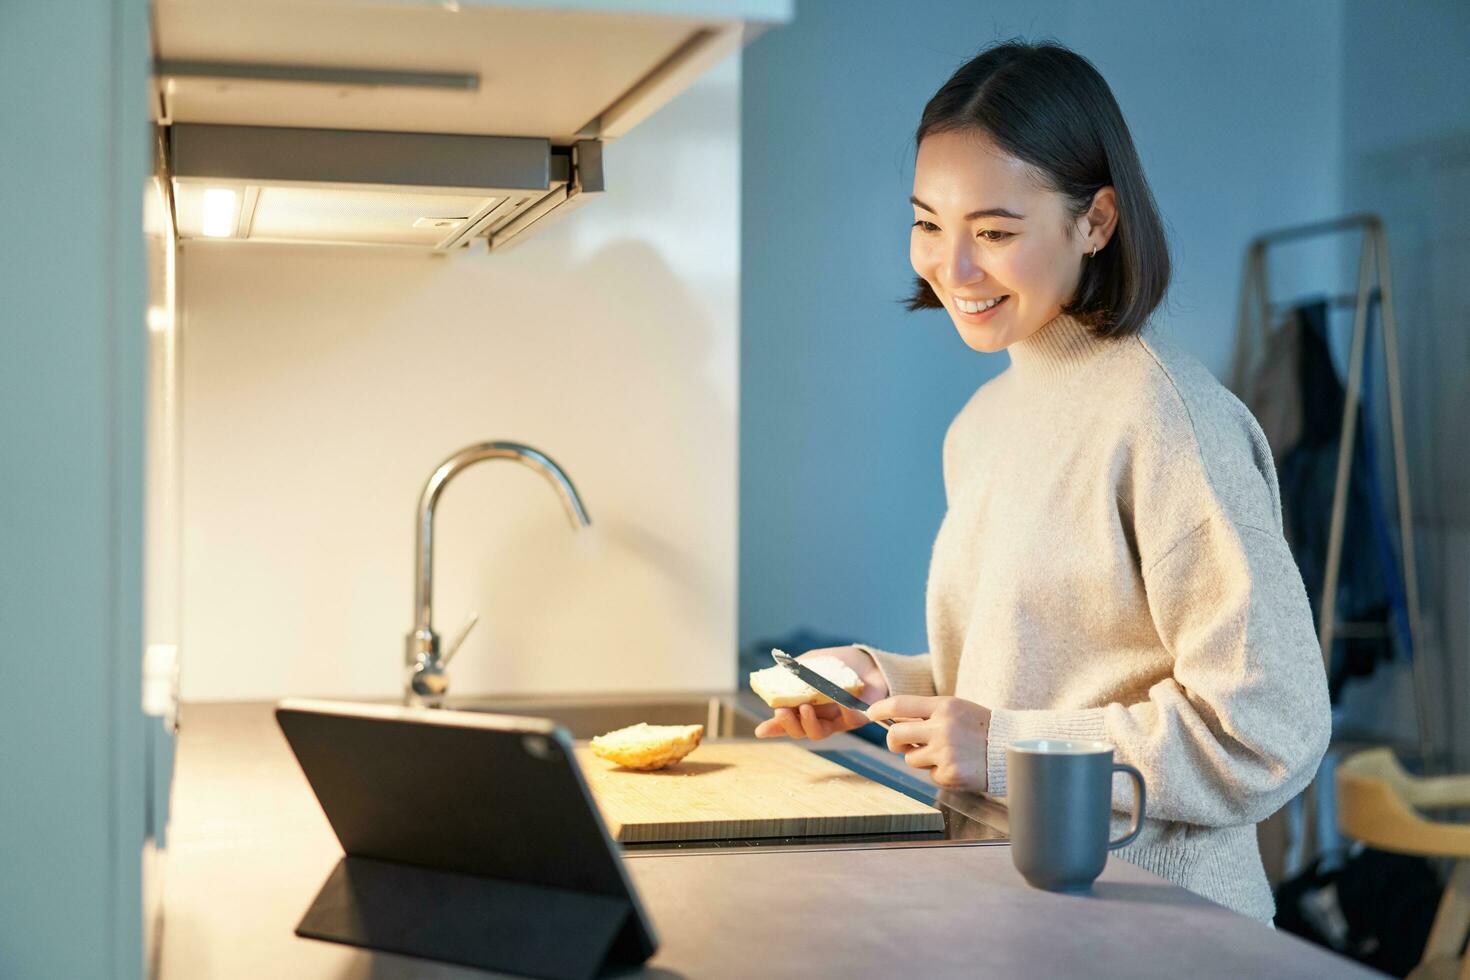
[[1111, 563]]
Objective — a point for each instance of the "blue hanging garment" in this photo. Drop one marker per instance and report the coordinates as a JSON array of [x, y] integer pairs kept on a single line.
[[1378, 508], [1368, 591]]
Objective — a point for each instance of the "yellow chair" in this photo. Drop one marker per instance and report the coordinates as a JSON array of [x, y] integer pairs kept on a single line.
[[1378, 804]]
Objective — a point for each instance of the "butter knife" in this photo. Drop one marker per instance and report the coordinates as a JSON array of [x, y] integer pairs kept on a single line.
[[815, 680]]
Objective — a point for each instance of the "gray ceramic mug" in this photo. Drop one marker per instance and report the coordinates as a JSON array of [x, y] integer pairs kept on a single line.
[[1060, 795]]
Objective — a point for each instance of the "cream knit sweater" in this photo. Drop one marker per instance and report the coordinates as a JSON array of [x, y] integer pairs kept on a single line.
[[1111, 566]]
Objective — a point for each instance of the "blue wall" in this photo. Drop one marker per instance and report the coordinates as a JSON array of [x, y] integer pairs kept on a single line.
[[1406, 157], [844, 397]]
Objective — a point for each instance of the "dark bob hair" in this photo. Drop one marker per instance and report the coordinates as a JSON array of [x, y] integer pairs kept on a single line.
[[1047, 106]]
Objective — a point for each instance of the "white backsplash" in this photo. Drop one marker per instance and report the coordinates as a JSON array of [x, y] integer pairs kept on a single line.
[[322, 385]]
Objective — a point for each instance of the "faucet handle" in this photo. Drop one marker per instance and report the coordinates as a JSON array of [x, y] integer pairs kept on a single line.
[[459, 638]]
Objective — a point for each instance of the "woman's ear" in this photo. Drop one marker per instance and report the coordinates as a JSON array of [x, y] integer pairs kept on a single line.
[[1101, 219]]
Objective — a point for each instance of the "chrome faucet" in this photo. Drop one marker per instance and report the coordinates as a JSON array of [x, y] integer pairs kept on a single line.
[[427, 681]]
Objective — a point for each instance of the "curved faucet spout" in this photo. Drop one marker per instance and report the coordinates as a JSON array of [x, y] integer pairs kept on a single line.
[[427, 679]]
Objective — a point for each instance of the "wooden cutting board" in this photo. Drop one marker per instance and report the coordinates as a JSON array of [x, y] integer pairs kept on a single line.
[[747, 788]]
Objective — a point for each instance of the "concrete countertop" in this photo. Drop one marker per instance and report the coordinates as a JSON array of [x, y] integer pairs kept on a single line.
[[249, 847]]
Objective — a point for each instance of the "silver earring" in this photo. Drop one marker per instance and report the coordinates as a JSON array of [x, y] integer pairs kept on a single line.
[[1093, 253]]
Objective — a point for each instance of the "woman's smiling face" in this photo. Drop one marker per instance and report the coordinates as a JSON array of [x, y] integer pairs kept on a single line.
[[985, 228]]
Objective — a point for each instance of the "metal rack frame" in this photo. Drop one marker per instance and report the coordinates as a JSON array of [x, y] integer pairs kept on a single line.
[[1254, 325]]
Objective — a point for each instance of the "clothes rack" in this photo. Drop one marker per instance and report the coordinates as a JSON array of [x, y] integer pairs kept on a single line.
[[1257, 317]]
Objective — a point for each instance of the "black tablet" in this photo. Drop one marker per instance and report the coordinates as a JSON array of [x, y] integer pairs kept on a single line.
[[469, 837]]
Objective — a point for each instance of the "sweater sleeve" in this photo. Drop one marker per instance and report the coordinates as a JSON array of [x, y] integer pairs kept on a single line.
[[904, 673], [1241, 725]]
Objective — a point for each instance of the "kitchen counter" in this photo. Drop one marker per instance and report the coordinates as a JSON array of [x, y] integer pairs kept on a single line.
[[249, 847]]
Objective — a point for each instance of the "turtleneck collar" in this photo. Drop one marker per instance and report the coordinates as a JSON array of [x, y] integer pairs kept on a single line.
[[1056, 350]]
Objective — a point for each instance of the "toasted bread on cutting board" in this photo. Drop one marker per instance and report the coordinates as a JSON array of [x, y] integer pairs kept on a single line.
[[644, 746], [780, 688]]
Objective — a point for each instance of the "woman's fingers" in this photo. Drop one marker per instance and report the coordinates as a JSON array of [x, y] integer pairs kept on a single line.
[[783, 722], [770, 728], [907, 733], [809, 721], [903, 706], [791, 721], [920, 758], [815, 726]]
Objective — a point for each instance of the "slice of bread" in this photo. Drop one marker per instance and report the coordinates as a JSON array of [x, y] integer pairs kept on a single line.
[[643, 746], [780, 688]]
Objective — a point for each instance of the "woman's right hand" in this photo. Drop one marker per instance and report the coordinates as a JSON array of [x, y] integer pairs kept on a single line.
[[817, 721]]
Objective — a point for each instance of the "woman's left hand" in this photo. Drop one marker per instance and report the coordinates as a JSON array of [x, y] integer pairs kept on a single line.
[[948, 736]]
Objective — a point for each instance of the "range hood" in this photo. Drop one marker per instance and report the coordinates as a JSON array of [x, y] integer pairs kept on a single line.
[[432, 125], [433, 191]]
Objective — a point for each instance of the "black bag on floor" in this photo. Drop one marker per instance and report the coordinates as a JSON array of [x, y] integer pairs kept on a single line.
[[1376, 908]]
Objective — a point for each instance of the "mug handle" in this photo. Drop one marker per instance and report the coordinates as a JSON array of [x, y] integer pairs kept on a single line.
[[1139, 800]]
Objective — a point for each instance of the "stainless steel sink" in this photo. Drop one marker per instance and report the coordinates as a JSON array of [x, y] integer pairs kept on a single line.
[[586, 717]]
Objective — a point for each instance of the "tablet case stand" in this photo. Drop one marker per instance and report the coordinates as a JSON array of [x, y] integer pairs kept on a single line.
[[473, 920]]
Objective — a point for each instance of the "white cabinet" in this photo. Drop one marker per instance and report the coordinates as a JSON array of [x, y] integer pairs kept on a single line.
[[555, 80]]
